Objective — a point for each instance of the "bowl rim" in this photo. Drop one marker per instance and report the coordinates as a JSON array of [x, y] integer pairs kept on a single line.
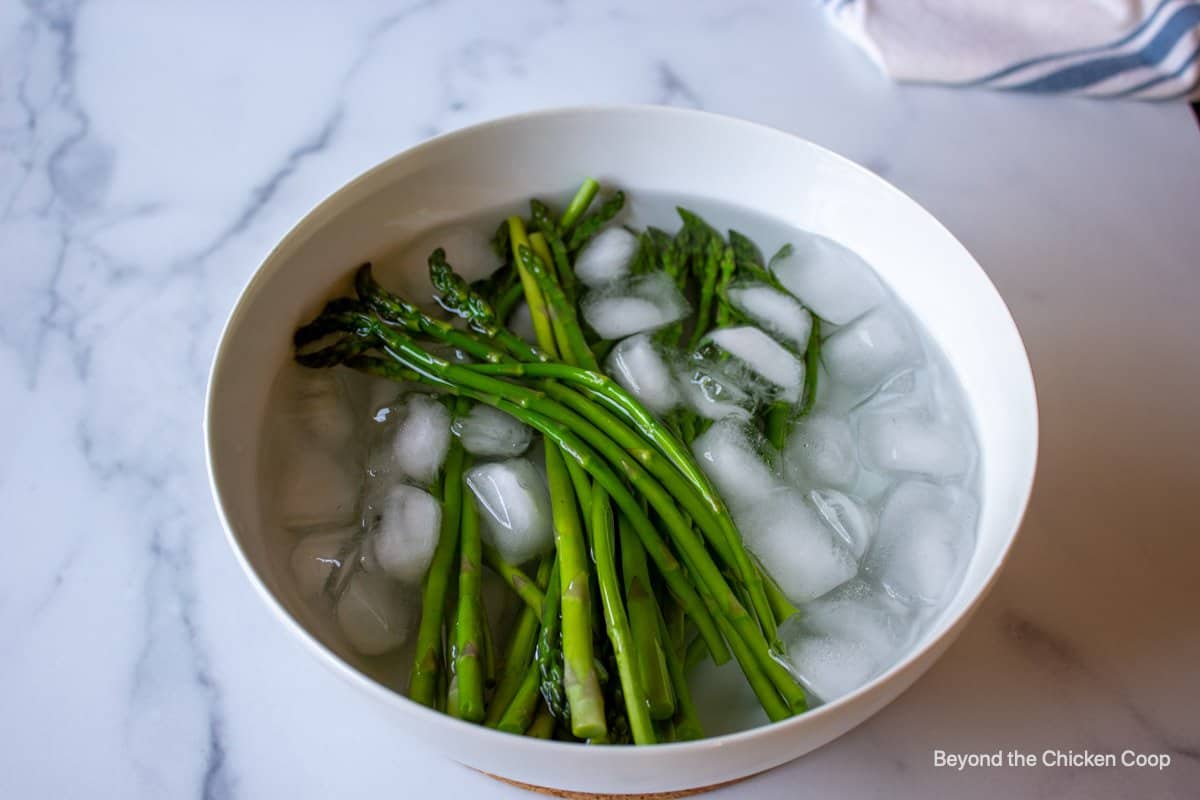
[[943, 629]]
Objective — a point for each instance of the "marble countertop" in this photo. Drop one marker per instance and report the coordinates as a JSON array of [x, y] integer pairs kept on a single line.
[[150, 156]]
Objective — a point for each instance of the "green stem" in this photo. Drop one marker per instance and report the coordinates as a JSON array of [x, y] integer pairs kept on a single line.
[[428, 661], [812, 364], [777, 424], [518, 581], [580, 682], [643, 621], [562, 312], [542, 726], [519, 713], [579, 203], [468, 633], [620, 633], [533, 295], [687, 723], [518, 653]]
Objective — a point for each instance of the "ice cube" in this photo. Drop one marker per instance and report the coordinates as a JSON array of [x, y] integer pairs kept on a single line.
[[607, 257], [410, 441], [867, 352], [515, 505], [764, 356], [829, 278], [520, 322], [712, 394], [736, 459], [908, 389], [925, 531], [804, 555], [821, 453], [375, 613], [838, 643], [404, 532], [638, 365], [773, 310], [486, 431], [316, 556], [847, 516], [320, 410], [644, 303], [912, 441], [318, 488]]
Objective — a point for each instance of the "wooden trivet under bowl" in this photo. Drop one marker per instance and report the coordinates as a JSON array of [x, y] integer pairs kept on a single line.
[[591, 796]]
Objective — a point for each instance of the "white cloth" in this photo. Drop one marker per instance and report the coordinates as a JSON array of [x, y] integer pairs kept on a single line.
[[1143, 49]]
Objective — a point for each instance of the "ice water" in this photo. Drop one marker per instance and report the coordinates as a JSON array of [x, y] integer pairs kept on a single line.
[[867, 513]]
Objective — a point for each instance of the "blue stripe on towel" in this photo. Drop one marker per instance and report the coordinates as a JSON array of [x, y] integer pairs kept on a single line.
[[1170, 76], [1082, 75], [1124, 40]]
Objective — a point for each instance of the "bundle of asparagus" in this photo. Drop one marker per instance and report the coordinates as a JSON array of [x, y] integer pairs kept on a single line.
[[645, 549]]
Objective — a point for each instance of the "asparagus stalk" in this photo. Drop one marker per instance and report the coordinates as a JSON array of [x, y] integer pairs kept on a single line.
[[518, 654], [643, 621], [521, 584], [468, 630], [579, 677], [542, 726], [533, 295], [687, 723], [590, 225], [519, 713], [579, 203], [548, 659], [812, 363], [428, 659], [544, 221], [620, 634]]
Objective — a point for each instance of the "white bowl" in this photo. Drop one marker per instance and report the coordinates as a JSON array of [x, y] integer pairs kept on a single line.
[[691, 155]]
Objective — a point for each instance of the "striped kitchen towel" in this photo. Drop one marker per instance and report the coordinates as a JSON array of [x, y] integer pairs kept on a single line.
[[1101, 48]]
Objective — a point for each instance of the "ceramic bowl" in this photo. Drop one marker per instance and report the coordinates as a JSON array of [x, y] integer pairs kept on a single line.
[[644, 150]]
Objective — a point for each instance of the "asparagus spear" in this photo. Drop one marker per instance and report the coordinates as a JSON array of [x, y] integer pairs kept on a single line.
[[643, 621], [812, 363], [518, 581], [579, 203], [548, 654], [687, 724], [617, 624], [519, 652], [579, 677], [519, 713], [533, 295], [590, 225], [544, 221], [428, 660], [542, 726], [469, 622]]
